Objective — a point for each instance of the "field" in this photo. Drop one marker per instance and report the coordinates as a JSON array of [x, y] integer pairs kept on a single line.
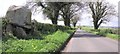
[[106, 32]]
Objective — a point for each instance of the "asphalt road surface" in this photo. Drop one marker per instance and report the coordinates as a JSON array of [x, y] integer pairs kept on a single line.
[[87, 42]]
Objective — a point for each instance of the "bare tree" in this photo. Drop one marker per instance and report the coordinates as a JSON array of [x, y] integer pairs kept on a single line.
[[50, 9], [53, 9], [69, 11], [75, 19], [100, 12]]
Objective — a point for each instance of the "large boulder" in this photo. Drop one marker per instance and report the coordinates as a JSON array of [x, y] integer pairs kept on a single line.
[[19, 18], [19, 15]]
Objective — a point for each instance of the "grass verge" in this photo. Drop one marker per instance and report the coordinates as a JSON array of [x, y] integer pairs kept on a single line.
[[106, 32], [50, 43]]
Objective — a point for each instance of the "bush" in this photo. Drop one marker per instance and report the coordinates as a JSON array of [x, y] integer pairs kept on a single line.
[[49, 28], [102, 33]]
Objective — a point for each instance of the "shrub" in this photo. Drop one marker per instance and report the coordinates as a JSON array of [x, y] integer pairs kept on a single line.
[[49, 28], [102, 33]]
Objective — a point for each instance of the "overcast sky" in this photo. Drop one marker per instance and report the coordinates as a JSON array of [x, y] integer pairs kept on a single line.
[[4, 5]]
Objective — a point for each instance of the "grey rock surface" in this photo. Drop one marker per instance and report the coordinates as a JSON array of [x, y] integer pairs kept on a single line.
[[19, 19], [20, 32], [19, 15], [9, 28]]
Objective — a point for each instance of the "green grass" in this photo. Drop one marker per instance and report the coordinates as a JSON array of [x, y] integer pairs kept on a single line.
[[106, 32], [113, 36], [50, 43], [49, 38]]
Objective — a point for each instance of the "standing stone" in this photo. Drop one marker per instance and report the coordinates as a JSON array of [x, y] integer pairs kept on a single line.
[[19, 15]]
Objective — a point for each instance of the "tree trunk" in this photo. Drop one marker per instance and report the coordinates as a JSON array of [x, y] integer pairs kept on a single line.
[[55, 16], [67, 22], [95, 25], [74, 24], [54, 21]]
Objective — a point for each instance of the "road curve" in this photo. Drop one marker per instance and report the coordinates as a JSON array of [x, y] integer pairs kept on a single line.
[[87, 42]]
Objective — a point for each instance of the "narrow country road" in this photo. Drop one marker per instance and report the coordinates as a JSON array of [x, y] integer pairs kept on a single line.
[[87, 42]]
